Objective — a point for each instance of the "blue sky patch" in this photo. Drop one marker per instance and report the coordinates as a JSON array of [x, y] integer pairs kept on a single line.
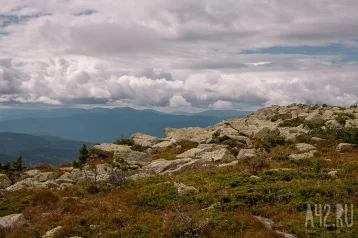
[[348, 53]]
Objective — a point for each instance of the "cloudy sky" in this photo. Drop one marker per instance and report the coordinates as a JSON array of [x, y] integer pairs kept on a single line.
[[178, 54]]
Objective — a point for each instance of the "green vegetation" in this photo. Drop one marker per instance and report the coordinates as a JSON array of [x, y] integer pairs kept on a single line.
[[218, 138], [297, 122], [336, 135], [124, 141], [342, 117], [171, 152]]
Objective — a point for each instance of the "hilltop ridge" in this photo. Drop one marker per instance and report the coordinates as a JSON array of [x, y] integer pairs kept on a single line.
[[258, 172]]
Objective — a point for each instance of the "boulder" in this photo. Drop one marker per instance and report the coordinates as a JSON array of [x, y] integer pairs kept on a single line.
[[46, 176], [182, 167], [266, 132], [246, 153], [305, 155], [333, 124], [328, 115], [314, 116], [13, 221], [184, 189], [109, 149], [25, 183], [4, 181], [216, 155], [303, 147], [316, 139], [161, 165], [144, 140], [333, 173], [51, 233], [343, 146], [46, 185], [190, 153], [196, 134], [233, 163], [32, 172], [161, 146]]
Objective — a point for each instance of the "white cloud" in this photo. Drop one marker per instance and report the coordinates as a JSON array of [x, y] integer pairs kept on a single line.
[[222, 105], [163, 53], [178, 101]]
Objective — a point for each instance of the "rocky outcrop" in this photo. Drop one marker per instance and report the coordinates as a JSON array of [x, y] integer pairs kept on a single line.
[[122, 151], [4, 181], [303, 147], [196, 134], [305, 155], [246, 153], [184, 189], [12, 221], [144, 140], [51, 233], [343, 146]]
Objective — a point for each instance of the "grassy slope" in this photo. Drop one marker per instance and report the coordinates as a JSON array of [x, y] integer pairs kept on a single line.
[[151, 207]]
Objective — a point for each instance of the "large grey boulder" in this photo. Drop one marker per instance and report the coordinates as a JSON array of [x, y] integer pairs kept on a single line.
[[122, 151], [196, 134], [161, 165], [162, 146], [12, 221], [32, 172], [246, 153], [305, 155], [190, 153], [333, 124], [216, 155], [303, 147], [144, 140], [51, 233], [343, 146], [46, 176], [266, 132], [25, 183], [4, 181]]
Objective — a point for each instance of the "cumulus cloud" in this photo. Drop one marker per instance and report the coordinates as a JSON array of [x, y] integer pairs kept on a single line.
[[178, 101], [176, 54], [222, 105]]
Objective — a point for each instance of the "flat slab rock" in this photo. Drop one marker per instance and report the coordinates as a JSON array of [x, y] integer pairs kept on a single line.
[[303, 147], [12, 221]]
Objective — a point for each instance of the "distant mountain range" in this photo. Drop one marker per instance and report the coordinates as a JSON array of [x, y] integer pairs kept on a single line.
[[38, 149], [101, 124]]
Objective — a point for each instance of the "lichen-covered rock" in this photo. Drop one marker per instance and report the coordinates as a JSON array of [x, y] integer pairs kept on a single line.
[[160, 165], [196, 134], [32, 172], [190, 153], [246, 153], [161, 146], [144, 140], [51, 233], [233, 163], [216, 155], [109, 149], [303, 147], [184, 189], [266, 132], [12, 221], [122, 151], [4, 181], [343, 146], [46, 176], [333, 124], [305, 155]]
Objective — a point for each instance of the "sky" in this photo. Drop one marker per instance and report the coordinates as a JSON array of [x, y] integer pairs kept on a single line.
[[178, 55]]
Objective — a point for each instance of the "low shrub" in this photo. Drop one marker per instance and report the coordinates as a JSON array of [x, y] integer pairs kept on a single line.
[[124, 141]]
